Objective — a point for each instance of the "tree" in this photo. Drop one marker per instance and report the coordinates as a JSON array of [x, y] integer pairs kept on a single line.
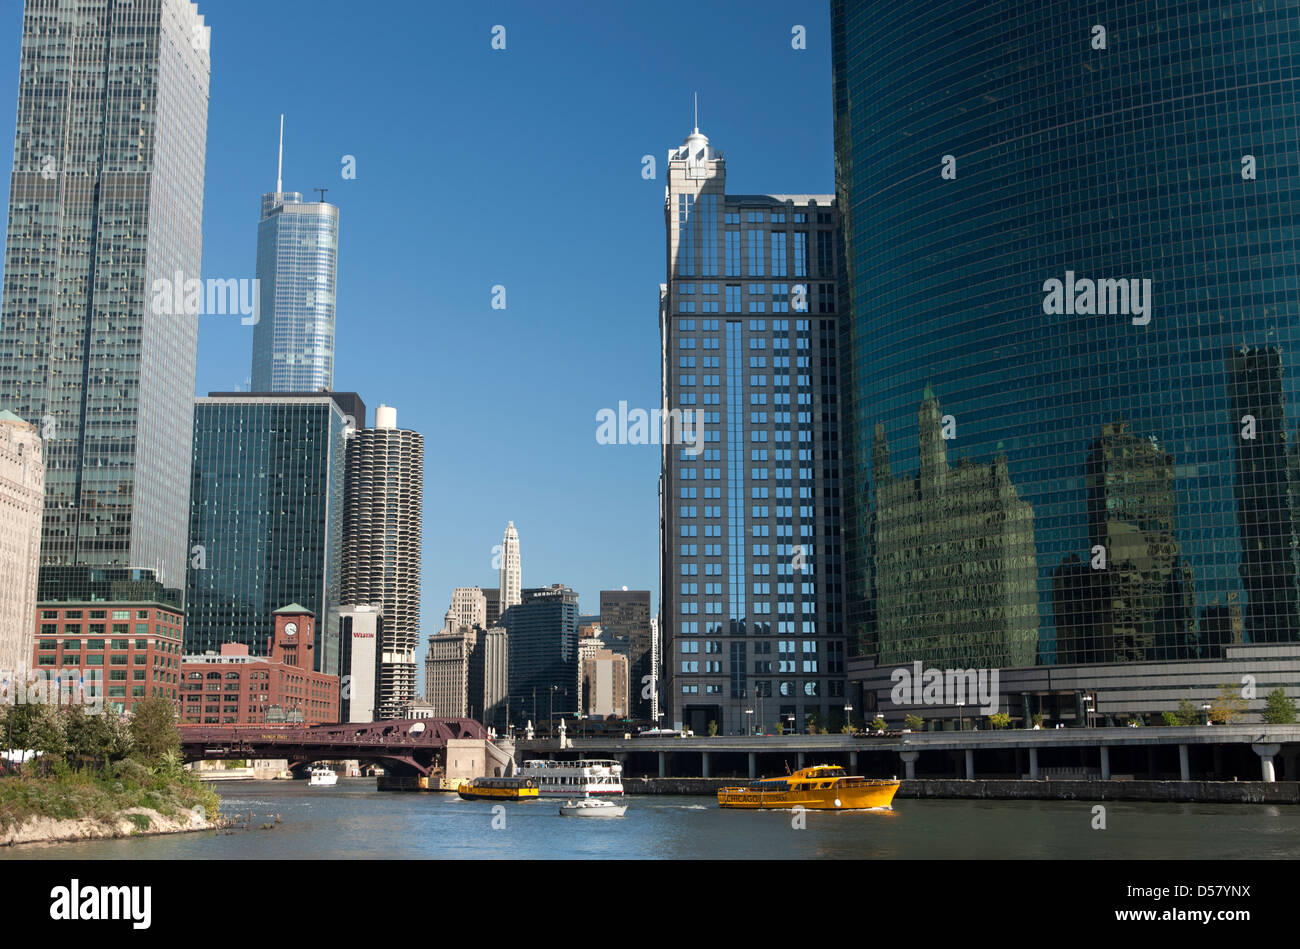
[[713, 729], [878, 724], [1228, 707], [1278, 709], [1168, 718], [153, 728], [36, 727], [1000, 719], [780, 728], [914, 722], [99, 738], [1186, 714]]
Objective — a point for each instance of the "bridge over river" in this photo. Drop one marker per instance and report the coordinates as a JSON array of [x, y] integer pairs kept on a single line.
[[401, 746]]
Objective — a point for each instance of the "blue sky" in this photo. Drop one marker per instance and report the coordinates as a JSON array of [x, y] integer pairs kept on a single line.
[[477, 167]]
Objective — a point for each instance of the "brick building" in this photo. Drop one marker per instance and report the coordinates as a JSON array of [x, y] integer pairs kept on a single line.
[[235, 688], [119, 628]]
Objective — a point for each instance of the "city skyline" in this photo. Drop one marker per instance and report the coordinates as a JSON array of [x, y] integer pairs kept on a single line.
[[390, 312]]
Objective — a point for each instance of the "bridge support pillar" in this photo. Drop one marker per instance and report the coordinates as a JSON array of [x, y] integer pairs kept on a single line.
[[704, 764], [753, 765], [663, 765], [853, 762], [1105, 762], [1266, 753], [909, 763], [1033, 764], [970, 764], [801, 759], [1184, 770]]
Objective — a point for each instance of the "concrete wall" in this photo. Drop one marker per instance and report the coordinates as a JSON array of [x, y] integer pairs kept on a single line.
[[1218, 792], [466, 759]]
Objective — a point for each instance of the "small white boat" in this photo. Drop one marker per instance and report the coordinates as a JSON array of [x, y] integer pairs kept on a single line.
[[592, 807], [322, 778]]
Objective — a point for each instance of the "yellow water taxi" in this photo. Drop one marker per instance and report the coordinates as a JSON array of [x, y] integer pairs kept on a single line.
[[823, 787], [498, 789]]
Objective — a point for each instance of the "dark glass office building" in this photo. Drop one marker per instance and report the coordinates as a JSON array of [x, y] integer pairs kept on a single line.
[[266, 517], [542, 633], [1070, 407], [625, 616]]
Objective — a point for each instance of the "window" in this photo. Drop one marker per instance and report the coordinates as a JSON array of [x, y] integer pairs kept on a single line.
[[754, 240]]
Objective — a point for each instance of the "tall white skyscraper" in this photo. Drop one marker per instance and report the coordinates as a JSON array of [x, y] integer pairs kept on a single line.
[[297, 266], [511, 574]]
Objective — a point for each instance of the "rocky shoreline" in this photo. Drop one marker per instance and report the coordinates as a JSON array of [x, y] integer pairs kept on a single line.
[[133, 822]]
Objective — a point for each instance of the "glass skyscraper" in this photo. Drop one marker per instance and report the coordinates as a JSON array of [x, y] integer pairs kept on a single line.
[[297, 263], [106, 201], [542, 637], [1070, 249], [266, 518], [749, 490]]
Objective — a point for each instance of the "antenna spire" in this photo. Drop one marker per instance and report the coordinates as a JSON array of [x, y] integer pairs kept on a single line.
[[697, 111], [279, 174]]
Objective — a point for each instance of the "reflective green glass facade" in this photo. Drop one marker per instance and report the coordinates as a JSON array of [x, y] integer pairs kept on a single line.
[[1069, 399], [266, 520]]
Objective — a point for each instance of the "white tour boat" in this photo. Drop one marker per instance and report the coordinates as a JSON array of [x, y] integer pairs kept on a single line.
[[322, 778], [592, 807], [586, 776]]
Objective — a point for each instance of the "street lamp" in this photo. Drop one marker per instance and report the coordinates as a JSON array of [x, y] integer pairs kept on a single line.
[[749, 727], [791, 719], [1206, 710], [1088, 709], [961, 716], [848, 716]]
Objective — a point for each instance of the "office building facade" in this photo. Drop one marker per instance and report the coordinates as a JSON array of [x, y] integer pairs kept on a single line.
[[511, 569], [1126, 360], [604, 684], [234, 687], [108, 637], [361, 629], [106, 206], [749, 487], [625, 617], [297, 272], [446, 672], [542, 634], [383, 527], [489, 677], [22, 501], [266, 518]]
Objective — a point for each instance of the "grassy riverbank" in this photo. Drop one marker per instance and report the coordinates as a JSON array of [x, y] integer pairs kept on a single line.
[[103, 796], [92, 774]]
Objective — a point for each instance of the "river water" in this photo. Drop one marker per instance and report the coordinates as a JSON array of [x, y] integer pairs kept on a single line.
[[355, 821]]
